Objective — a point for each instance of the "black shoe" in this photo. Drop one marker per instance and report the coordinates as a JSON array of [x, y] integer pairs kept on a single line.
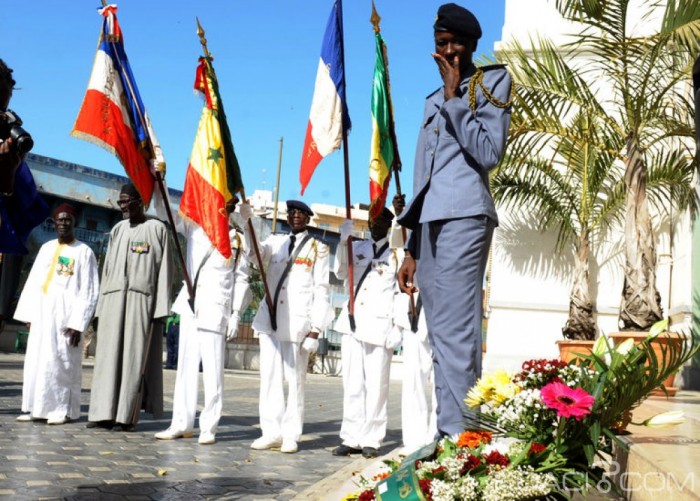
[[100, 424], [124, 427], [344, 450], [369, 452]]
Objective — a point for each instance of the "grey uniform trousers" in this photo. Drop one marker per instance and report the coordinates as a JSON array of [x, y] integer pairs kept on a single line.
[[450, 272]]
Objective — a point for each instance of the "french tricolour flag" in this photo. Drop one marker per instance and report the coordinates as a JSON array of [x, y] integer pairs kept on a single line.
[[329, 111], [112, 114]]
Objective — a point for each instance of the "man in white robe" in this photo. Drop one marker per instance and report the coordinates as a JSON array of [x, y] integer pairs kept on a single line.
[[58, 300]]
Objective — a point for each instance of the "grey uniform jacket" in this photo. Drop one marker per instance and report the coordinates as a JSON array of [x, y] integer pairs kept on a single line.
[[457, 146]]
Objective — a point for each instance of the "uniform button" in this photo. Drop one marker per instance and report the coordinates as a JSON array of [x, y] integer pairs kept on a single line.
[[435, 130], [281, 301]]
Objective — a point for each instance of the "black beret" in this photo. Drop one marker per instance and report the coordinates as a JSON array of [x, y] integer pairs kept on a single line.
[[299, 205], [458, 20], [130, 189]]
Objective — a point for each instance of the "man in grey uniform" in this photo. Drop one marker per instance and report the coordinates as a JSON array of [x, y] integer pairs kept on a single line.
[[462, 137]]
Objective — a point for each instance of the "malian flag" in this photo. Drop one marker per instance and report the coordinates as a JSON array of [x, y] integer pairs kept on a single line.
[[113, 115], [329, 111], [213, 175], [384, 155]]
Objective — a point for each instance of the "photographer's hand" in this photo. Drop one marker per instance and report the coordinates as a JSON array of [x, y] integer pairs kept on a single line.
[[10, 161]]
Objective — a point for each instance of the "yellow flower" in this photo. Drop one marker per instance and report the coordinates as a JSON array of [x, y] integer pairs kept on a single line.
[[495, 386]]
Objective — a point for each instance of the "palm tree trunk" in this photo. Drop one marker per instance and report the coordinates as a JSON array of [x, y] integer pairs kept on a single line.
[[641, 302], [580, 324]]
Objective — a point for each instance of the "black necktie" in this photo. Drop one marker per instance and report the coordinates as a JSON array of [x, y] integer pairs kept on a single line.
[[292, 239], [374, 250]]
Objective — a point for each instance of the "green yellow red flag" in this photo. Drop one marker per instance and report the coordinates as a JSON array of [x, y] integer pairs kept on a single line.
[[213, 175], [384, 155]]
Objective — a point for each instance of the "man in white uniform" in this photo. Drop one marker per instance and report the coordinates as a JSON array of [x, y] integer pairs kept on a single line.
[[418, 399], [367, 347], [418, 403], [220, 294], [297, 269], [58, 299]]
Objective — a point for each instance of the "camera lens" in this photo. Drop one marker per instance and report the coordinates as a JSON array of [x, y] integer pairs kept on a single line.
[[22, 140]]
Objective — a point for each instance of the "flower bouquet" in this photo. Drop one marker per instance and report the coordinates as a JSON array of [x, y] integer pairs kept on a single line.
[[540, 433]]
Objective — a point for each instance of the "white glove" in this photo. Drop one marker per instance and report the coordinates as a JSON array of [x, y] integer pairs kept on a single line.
[[345, 230], [309, 344], [153, 166], [232, 331], [393, 340], [246, 212]]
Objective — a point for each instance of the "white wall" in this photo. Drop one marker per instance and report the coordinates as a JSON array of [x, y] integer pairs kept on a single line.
[[530, 282]]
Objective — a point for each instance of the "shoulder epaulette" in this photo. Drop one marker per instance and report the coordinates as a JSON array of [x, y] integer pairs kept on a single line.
[[477, 79]]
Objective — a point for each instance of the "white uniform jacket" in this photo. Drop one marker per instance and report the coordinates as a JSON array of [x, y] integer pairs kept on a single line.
[[302, 304], [374, 302]]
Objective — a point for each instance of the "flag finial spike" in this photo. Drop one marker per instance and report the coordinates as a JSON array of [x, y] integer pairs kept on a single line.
[[375, 18], [202, 39]]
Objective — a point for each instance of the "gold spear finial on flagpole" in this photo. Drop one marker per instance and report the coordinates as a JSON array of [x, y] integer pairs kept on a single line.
[[375, 18], [202, 39]]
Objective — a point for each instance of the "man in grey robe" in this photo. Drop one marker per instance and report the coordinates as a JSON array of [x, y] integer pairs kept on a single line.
[[134, 301]]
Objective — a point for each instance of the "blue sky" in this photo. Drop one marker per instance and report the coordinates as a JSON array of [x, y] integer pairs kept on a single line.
[[265, 55]]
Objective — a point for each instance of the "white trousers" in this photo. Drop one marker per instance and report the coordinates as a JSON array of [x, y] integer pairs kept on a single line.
[[365, 391], [281, 361], [208, 347], [418, 402]]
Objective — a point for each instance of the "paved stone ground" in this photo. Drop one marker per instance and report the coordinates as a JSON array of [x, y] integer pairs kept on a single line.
[[38, 461]]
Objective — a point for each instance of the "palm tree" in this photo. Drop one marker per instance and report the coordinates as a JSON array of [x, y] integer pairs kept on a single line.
[[633, 90], [561, 164]]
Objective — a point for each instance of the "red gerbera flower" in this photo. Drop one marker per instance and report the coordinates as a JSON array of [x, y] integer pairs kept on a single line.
[[568, 402]]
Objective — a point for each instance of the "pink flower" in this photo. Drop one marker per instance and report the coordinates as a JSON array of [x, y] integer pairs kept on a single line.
[[568, 402]]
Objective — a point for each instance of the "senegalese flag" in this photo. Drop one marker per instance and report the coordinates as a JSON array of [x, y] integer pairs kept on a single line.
[[213, 175], [384, 155]]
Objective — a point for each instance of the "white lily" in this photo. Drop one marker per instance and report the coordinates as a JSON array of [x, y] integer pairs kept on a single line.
[[670, 418], [658, 328], [601, 346], [624, 347]]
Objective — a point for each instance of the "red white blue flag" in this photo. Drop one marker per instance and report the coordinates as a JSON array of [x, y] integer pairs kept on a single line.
[[113, 115], [329, 111]]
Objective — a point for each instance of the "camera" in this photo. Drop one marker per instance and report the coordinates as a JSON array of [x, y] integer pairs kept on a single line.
[[11, 127]]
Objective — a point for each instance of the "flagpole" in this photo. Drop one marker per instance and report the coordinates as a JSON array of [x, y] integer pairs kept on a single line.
[[137, 401], [158, 178], [277, 187], [348, 205], [396, 165], [251, 228]]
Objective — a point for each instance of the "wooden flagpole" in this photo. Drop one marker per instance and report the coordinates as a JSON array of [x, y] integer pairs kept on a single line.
[[396, 165], [137, 400], [251, 228], [159, 179], [348, 205]]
